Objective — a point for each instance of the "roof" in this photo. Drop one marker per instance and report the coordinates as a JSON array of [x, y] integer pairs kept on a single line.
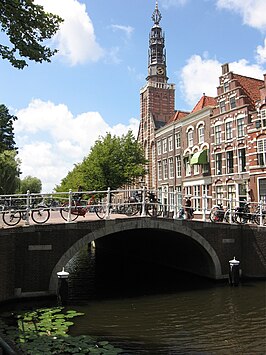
[[205, 101], [178, 115], [250, 85]]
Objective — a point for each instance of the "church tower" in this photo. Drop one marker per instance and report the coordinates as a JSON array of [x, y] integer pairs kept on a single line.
[[157, 97]]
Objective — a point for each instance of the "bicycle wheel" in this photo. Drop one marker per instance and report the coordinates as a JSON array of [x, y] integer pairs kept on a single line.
[[154, 210], [131, 210], [229, 216], [100, 211], [240, 218], [64, 213], [214, 214], [11, 218], [40, 215], [257, 219]]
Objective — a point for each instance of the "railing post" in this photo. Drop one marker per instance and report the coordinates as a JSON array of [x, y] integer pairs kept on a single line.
[[175, 205], [27, 219], [70, 195], [261, 212], [108, 203], [143, 212], [204, 202]]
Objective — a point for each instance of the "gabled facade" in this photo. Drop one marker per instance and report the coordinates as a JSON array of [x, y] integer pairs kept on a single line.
[[216, 150]]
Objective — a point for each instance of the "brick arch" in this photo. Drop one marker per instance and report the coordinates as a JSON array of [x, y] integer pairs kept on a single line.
[[132, 225]]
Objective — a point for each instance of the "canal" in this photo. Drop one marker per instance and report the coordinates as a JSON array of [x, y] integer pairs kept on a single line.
[[148, 309]]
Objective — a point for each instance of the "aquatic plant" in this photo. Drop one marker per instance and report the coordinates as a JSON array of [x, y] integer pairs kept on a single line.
[[44, 332]]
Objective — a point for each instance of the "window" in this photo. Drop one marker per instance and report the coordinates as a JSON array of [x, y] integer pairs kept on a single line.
[[242, 160], [218, 134], [263, 117], [222, 106], [179, 196], [160, 170], [170, 144], [171, 168], [165, 169], [219, 194], [231, 195], [229, 162], [261, 150], [240, 127], [229, 130], [171, 198], [178, 166], [159, 148], [190, 138], [165, 145], [177, 140], [218, 163], [226, 86], [196, 169], [196, 199], [187, 166], [232, 102], [201, 134]]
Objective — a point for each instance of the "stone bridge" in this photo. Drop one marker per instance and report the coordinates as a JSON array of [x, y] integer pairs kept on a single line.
[[31, 256]]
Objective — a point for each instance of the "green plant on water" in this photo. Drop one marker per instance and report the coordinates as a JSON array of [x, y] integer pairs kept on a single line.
[[44, 332]]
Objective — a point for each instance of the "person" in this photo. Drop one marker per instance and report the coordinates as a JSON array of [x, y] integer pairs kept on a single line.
[[78, 196], [188, 207]]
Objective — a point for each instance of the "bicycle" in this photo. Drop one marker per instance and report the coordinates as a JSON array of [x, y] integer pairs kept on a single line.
[[12, 215], [153, 207], [244, 215], [219, 214], [77, 209]]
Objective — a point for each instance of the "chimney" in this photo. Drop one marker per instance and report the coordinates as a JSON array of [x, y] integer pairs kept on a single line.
[[225, 68]]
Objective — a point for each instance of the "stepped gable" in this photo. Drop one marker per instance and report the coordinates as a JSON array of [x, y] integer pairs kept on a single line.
[[178, 115], [205, 101], [251, 86]]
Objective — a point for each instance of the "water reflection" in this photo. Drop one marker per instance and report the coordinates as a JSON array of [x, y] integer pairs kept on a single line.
[[153, 310]]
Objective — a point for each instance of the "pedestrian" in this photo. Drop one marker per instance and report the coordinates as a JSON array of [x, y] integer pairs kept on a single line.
[[188, 207]]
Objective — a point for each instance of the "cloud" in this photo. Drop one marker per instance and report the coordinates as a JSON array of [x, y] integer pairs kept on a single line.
[[201, 75], [75, 40], [51, 140], [261, 53], [125, 29], [252, 11]]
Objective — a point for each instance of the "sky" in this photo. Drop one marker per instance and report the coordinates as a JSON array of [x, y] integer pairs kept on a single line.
[[92, 86]]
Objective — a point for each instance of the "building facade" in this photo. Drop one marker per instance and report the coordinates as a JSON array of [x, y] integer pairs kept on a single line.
[[215, 153]]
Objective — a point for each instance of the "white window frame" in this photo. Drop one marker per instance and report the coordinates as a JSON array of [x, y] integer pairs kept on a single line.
[[177, 139], [164, 145], [159, 147], [171, 167], [170, 143], [178, 166]]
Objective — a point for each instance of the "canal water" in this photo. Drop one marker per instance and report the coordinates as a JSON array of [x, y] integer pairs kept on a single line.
[[148, 309]]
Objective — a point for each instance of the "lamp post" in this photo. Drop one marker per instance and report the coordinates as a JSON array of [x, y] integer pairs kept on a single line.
[[62, 294]]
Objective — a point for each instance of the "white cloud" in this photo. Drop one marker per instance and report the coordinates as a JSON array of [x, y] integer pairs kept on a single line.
[[201, 75], [126, 29], [75, 40], [50, 139], [261, 53], [252, 11]]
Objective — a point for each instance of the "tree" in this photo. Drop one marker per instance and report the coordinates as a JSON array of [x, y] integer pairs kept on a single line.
[[9, 172], [112, 162], [33, 184], [26, 25], [7, 141]]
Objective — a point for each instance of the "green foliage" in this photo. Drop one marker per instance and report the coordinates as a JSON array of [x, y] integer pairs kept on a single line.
[[44, 332], [27, 25], [33, 184], [112, 162], [6, 129], [9, 172]]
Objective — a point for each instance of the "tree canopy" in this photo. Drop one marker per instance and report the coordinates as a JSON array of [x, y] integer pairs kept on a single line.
[[112, 162], [7, 141], [26, 25], [33, 184]]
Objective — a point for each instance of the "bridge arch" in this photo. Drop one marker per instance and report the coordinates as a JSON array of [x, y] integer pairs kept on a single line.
[[136, 224]]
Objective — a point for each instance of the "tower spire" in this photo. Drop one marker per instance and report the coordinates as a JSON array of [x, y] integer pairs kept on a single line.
[[156, 16]]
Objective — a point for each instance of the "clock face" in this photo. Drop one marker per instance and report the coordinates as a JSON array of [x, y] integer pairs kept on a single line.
[[160, 70]]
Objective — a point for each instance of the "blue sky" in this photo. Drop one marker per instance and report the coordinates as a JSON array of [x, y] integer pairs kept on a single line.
[[92, 85]]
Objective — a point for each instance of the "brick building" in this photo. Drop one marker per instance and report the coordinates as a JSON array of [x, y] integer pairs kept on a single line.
[[217, 150]]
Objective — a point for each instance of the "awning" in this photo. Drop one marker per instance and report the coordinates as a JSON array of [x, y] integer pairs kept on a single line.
[[199, 157]]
